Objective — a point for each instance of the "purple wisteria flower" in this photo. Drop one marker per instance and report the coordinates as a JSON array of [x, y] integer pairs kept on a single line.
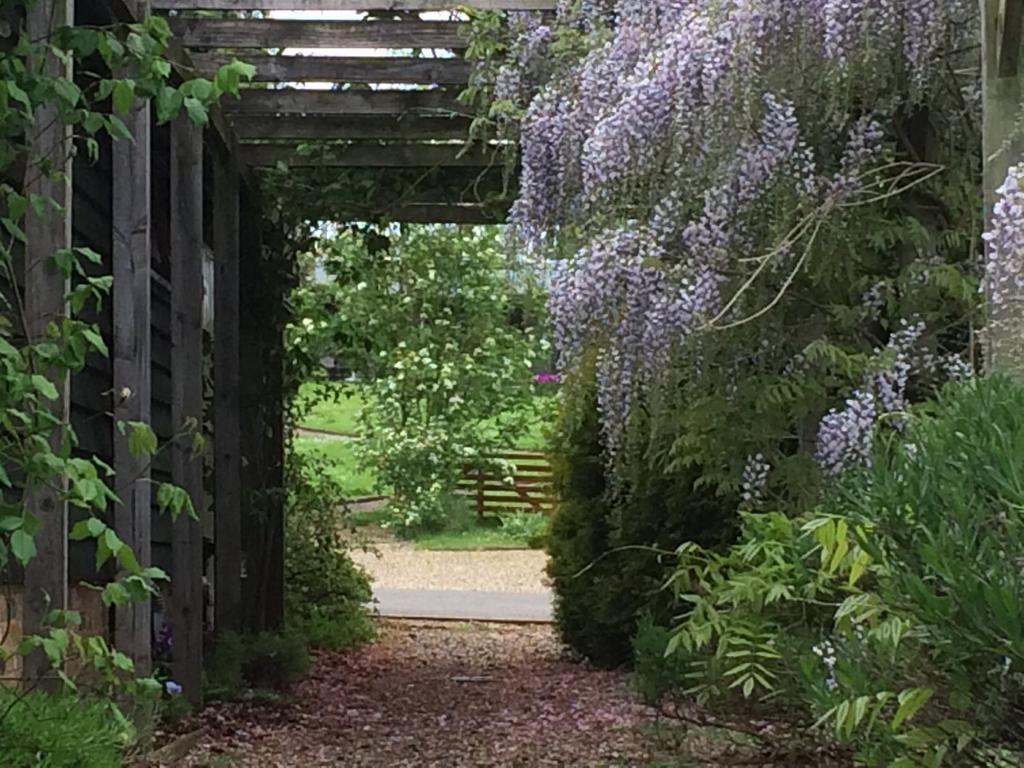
[[659, 153], [546, 377], [890, 384], [1004, 269], [846, 437], [164, 643], [755, 479]]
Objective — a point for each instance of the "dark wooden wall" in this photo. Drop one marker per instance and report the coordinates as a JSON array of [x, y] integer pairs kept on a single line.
[[152, 208]]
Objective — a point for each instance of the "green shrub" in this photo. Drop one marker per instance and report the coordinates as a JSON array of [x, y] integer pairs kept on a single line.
[[222, 667], [323, 586], [334, 628], [608, 560], [267, 660], [531, 527], [274, 660], [656, 673], [446, 512], [60, 732], [895, 611]]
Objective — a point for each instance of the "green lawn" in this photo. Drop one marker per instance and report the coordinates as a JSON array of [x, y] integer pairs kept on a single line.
[[475, 538], [338, 413], [344, 466]]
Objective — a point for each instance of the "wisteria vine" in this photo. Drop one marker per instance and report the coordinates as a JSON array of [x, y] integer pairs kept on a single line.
[[702, 159]]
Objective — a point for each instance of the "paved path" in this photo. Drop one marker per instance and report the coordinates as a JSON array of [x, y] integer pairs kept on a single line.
[[464, 605]]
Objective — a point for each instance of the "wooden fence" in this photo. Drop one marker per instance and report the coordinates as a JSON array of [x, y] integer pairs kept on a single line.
[[530, 489]]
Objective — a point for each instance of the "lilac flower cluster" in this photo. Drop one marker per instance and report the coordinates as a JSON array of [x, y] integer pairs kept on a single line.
[[661, 150], [754, 479], [846, 437], [956, 367], [863, 145], [1004, 268], [890, 384]]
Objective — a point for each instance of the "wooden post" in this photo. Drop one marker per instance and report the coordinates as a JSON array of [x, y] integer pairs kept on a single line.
[[479, 492], [274, 597], [227, 403], [263, 433], [48, 175], [132, 355], [187, 399], [251, 388], [1003, 147]]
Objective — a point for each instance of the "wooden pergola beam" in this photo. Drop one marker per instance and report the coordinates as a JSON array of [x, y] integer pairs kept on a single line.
[[353, 5], [342, 69], [297, 101], [335, 127], [371, 156], [441, 213], [200, 32]]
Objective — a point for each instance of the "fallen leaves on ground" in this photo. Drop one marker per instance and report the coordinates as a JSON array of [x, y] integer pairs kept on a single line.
[[453, 695]]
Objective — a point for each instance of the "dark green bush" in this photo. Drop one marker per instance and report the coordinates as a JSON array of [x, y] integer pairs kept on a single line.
[[447, 513], [893, 613], [59, 732], [324, 589], [222, 667], [334, 628], [274, 660], [268, 660], [654, 672], [606, 564]]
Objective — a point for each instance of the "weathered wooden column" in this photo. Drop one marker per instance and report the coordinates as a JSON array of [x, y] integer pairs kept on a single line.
[[132, 358], [275, 597], [262, 431], [48, 175], [1002, 22], [227, 401], [187, 400]]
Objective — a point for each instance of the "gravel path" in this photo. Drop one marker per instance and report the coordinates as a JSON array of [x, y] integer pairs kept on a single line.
[[463, 605], [399, 565]]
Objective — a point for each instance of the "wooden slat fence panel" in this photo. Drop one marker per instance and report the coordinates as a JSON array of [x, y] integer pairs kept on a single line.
[[530, 490]]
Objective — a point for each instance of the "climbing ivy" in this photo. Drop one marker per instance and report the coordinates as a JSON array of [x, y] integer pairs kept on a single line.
[[117, 68]]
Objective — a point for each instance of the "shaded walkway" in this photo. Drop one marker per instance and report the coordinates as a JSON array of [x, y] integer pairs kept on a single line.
[[454, 696]]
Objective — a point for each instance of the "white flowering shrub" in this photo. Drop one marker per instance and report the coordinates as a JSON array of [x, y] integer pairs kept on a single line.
[[444, 329]]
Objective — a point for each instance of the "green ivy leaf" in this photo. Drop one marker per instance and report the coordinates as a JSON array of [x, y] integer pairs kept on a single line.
[[142, 440], [44, 387], [123, 96], [196, 111], [23, 546]]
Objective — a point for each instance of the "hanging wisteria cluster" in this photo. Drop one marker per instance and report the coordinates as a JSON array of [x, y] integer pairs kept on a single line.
[[846, 437], [690, 161], [1005, 258]]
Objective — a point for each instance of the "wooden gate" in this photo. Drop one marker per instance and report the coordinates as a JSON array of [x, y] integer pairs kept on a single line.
[[530, 489]]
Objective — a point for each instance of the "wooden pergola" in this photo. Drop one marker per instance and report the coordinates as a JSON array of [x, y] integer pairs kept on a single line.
[[389, 106], [176, 214]]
